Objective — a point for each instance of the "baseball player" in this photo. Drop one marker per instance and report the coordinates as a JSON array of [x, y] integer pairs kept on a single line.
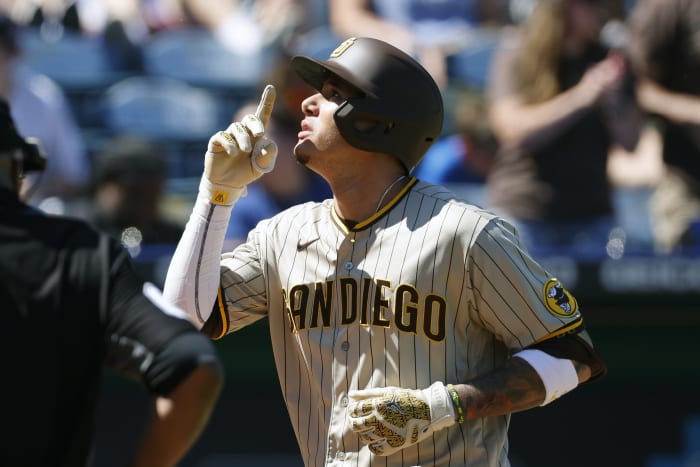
[[73, 305], [407, 325]]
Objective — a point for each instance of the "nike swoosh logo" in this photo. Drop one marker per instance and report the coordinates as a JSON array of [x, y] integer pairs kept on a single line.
[[303, 245]]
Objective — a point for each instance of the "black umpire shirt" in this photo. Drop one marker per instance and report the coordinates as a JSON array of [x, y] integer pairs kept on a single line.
[[71, 304]]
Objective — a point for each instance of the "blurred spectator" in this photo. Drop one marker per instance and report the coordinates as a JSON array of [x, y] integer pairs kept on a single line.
[[127, 26], [664, 46], [290, 183], [466, 155], [247, 27], [462, 159], [41, 110], [560, 100], [50, 17], [435, 32], [122, 25], [138, 17], [130, 176]]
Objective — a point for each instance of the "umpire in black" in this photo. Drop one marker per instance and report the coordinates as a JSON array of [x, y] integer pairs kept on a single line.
[[72, 304]]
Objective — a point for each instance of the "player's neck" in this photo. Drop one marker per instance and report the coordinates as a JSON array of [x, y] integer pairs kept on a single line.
[[366, 199]]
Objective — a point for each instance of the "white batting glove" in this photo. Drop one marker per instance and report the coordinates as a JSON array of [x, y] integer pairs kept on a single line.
[[239, 155], [390, 419]]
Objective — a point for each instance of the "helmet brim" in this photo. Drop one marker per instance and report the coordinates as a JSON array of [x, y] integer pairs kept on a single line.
[[316, 72]]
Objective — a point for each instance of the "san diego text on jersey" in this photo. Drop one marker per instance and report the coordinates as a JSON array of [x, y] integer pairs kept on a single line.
[[374, 302]]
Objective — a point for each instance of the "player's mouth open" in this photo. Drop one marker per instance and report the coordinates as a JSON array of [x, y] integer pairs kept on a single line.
[[305, 131]]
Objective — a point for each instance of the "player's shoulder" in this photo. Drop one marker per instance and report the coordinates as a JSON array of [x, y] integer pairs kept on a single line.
[[61, 252], [452, 211], [59, 230], [74, 238], [443, 195]]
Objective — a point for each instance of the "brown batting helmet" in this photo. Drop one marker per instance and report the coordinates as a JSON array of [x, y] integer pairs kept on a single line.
[[397, 92]]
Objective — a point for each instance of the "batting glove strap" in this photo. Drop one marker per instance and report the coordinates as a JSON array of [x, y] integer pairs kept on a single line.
[[442, 410], [390, 419], [223, 195]]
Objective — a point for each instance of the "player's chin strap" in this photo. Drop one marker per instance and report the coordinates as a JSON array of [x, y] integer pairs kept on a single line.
[[557, 374]]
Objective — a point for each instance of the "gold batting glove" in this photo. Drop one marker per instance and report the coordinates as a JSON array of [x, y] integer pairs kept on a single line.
[[239, 155], [390, 419]]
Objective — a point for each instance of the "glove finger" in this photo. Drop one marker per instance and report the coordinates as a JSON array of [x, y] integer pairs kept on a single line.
[[267, 102], [360, 424], [253, 125], [369, 436], [222, 141], [361, 408], [264, 155], [241, 137], [381, 448]]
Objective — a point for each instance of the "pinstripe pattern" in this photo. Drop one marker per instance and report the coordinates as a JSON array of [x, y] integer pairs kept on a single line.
[[430, 289]]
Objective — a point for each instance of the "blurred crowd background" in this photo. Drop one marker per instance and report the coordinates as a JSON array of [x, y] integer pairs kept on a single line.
[[546, 121], [578, 120]]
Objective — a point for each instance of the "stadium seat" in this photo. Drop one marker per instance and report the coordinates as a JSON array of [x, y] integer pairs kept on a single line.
[[194, 55], [471, 66], [160, 108], [74, 61], [179, 116]]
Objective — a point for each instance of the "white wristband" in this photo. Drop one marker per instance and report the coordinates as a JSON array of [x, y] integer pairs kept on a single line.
[[557, 374]]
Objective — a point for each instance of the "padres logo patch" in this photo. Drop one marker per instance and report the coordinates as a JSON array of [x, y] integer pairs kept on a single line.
[[343, 47], [558, 300]]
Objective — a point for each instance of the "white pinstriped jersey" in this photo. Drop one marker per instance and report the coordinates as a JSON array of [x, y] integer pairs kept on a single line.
[[428, 289]]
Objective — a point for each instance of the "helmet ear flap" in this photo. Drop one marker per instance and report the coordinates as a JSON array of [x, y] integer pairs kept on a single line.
[[362, 122], [362, 128]]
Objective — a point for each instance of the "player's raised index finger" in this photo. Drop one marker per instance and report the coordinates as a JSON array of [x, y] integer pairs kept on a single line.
[[267, 102]]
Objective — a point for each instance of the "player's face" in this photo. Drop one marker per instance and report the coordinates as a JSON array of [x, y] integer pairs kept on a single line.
[[319, 134]]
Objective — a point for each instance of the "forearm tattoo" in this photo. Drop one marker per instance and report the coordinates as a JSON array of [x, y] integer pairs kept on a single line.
[[513, 388]]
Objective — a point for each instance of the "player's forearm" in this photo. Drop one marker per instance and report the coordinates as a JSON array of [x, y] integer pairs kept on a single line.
[[192, 280], [513, 388], [178, 420]]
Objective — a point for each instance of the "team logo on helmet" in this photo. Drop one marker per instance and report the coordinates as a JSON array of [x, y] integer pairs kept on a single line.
[[558, 300], [343, 47]]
